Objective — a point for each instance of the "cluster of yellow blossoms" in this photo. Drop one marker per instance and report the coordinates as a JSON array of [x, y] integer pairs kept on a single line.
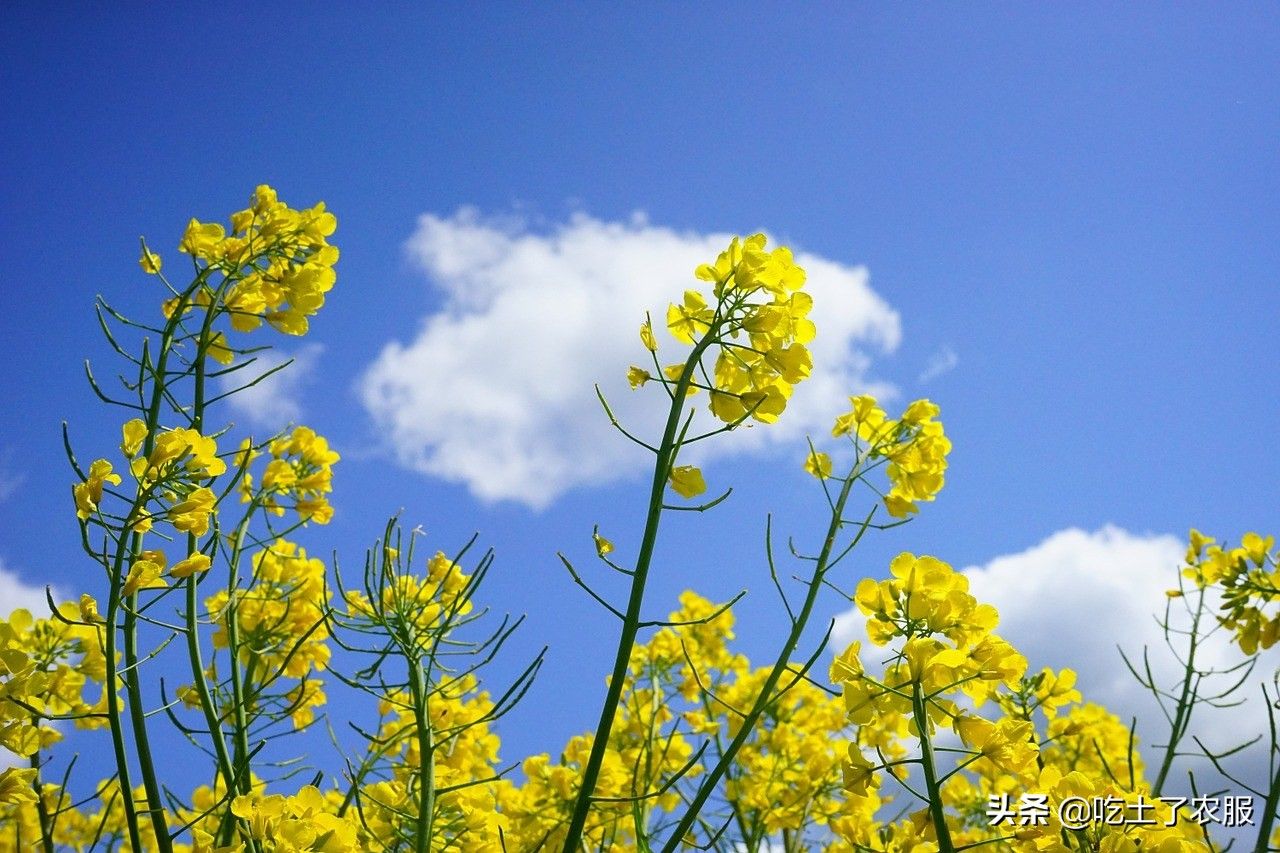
[[276, 265], [1249, 578], [944, 647], [757, 322], [913, 447], [280, 614], [791, 780], [169, 477], [421, 603], [300, 471], [46, 665]]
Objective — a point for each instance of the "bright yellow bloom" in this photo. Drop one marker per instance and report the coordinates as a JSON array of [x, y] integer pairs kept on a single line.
[[637, 376], [192, 515], [646, 336], [135, 432], [89, 493], [201, 239], [150, 262], [218, 350], [145, 573], [89, 609], [16, 786], [191, 565], [603, 546], [818, 464], [197, 452], [687, 481], [690, 320]]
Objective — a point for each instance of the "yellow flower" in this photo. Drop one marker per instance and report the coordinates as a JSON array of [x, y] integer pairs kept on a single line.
[[603, 546], [144, 574], [135, 432], [674, 373], [687, 481], [689, 320], [89, 609], [898, 506], [637, 376], [199, 451], [316, 509], [150, 261], [186, 568], [16, 786], [818, 464], [192, 514], [201, 239], [646, 336], [1256, 547], [89, 493], [218, 350]]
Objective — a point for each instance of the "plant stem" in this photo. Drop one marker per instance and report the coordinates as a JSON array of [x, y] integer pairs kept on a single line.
[[712, 779], [631, 623], [46, 822], [113, 708], [1182, 717], [138, 718], [929, 767], [426, 759], [1269, 809]]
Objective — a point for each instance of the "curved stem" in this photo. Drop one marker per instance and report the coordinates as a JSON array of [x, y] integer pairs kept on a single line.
[[1182, 716], [766, 695], [667, 450]]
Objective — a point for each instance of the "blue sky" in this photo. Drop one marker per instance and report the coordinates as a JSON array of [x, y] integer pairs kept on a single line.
[[1079, 204]]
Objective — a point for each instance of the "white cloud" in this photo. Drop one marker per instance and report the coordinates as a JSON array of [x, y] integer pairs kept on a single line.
[[1072, 599], [275, 401], [15, 593], [942, 361], [496, 390]]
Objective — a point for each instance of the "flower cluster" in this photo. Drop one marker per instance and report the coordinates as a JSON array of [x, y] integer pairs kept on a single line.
[[280, 615], [46, 665], [1249, 578], [1044, 741], [759, 324], [299, 475], [420, 604], [914, 447], [276, 265], [697, 748], [305, 821]]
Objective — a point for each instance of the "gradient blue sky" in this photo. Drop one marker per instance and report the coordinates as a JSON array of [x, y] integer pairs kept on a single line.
[[1081, 202]]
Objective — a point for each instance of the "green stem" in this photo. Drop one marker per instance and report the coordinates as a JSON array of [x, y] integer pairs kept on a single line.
[[240, 725], [113, 708], [426, 760], [929, 767], [712, 779], [194, 654], [1269, 809], [1182, 717], [206, 697], [46, 821], [631, 623], [138, 718], [133, 683]]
